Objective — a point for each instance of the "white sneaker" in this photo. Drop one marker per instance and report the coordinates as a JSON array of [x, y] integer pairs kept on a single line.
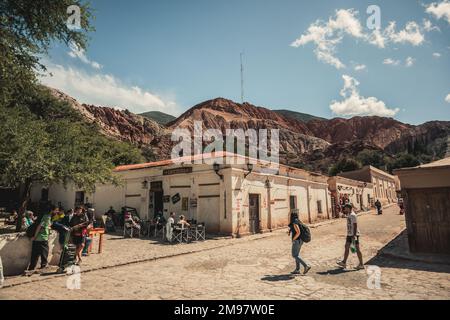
[[29, 273]]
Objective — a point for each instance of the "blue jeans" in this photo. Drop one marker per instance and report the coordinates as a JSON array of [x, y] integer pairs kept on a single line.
[[296, 246], [87, 243]]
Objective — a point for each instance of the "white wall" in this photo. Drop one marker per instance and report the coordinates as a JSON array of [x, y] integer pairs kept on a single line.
[[280, 191], [15, 251]]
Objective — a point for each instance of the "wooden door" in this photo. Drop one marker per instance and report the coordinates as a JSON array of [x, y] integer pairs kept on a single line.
[[254, 218], [428, 220]]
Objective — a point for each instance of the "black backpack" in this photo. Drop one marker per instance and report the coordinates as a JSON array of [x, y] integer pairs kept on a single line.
[[305, 233], [31, 230]]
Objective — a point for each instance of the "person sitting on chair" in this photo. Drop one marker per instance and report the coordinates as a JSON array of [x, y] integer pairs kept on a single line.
[[183, 222], [111, 211], [130, 221], [12, 219]]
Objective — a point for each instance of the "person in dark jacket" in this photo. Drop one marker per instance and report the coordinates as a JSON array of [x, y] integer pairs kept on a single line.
[[62, 225], [79, 224], [379, 207]]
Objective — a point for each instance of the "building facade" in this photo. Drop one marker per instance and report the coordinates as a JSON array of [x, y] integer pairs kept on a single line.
[[384, 184], [358, 193], [426, 197], [232, 199]]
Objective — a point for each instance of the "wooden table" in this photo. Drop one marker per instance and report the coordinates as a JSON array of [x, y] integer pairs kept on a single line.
[[93, 233]]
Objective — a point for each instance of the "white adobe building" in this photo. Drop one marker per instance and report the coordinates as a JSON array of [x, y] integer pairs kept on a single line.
[[232, 199], [359, 193]]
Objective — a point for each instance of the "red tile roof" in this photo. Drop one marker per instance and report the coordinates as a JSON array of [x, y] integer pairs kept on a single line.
[[188, 159]]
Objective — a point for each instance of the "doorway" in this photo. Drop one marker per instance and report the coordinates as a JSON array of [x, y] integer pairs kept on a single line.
[[158, 202], [156, 197], [254, 213], [292, 203]]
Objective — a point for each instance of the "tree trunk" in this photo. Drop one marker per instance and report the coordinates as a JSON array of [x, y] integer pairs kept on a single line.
[[24, 199]]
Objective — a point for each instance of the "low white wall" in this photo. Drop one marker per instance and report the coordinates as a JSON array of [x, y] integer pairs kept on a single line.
[[15, 251]]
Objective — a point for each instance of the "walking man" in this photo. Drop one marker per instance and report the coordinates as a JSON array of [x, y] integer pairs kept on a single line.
[[352, 237], [379, 207], [297, 242]]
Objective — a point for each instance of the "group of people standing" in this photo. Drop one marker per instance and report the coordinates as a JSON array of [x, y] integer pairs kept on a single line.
[[72, 226]]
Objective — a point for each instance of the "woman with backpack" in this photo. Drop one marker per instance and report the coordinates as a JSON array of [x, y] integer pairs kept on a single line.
[[295, 227]]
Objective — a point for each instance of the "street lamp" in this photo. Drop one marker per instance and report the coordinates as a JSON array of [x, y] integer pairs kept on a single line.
[[216, 168], [249, 168]]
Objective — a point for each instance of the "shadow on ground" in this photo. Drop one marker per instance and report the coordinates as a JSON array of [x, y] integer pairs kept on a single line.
[[395, 254], [336, 271], [280, 277]]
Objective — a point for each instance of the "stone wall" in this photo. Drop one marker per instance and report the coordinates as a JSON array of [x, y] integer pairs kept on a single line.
[[15, 252]]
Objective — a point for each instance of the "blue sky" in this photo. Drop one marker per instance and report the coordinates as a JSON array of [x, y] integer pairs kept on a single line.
[[171, 55]]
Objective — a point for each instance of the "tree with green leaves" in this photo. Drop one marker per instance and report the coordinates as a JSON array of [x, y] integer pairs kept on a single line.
[[55, 146], [42, 139], [403, 160], [27, 29], [343, 165], [374, 158]]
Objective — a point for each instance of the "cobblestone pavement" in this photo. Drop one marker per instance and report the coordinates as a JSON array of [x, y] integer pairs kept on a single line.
[[248, 269]]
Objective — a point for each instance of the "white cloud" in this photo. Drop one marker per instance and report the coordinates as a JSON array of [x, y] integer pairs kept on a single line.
[[409, 62], [436, 54], [412, 33], [440, 10], [447, 98], [356, 105], [392, 62], [360, 67], [77, 52], [105, 90], [377, 39], [428, 26], [327, 35]]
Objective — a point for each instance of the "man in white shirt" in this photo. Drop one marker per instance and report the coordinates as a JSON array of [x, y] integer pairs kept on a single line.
[[169, 226], [352, 237]]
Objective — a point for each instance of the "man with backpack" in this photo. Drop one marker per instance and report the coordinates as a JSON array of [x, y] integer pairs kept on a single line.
[[300, 234], [39, 233]]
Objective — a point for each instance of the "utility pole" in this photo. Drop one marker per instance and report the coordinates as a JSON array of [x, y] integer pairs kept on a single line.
[[242, 79]]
